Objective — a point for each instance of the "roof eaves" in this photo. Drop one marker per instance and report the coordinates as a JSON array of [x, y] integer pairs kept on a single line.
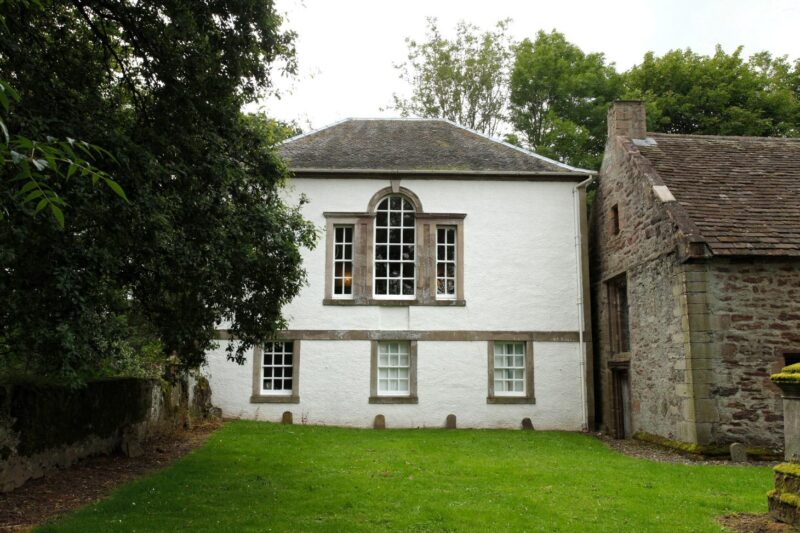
[[443, 173]]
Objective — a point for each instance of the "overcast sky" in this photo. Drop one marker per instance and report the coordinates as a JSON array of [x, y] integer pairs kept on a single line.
[[346, 49]]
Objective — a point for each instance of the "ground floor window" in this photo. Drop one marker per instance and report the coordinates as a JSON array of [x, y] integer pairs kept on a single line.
[[510, 372], [275, 372], [509, 368], [394, 372], [277, 368], [393, 368]]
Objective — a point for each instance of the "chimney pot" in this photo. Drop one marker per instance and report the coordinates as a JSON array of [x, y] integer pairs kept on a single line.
[[627, 118]]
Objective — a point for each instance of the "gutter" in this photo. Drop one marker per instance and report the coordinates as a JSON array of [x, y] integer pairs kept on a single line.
[[582, 352], [440, 173]]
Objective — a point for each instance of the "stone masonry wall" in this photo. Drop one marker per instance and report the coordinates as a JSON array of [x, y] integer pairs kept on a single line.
[[43, 427], [644, 249], [756, 306]]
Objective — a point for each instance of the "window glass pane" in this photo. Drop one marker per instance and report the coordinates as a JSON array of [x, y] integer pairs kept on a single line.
[[394, 259], [277, 370], [393, 370], [509, 368], [343, 261], [445, 262]]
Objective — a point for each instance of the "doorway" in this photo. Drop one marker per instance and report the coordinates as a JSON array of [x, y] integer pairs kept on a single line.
[[621, 399]]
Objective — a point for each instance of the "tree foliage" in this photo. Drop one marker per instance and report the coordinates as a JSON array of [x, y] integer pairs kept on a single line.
[[462, 79], [555, 97], [559, 97], [205, 236], [720, 94], [28, 166]]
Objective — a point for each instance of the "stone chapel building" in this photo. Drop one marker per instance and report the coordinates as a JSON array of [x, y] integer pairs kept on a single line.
[[695, 247]]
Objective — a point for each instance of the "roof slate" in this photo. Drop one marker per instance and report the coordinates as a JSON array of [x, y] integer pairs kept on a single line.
[[742, 193], [410, 145]]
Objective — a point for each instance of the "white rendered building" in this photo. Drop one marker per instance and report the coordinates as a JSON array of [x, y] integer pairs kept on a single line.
[[450, 279]]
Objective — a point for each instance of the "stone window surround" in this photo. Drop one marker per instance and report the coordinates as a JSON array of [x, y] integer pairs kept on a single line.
[[411, 397], [529, 397], [363, 235], [294, 397]]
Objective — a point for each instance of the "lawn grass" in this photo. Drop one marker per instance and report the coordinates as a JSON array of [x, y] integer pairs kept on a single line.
[[256, 476]]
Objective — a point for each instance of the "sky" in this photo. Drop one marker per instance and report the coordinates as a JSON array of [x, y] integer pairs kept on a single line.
[[347, 49]]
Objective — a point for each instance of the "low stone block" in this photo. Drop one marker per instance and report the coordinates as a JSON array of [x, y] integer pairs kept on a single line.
[[783, 507], [527, 424], [738, 453], [286, 418], [450, 423], [380, 422]]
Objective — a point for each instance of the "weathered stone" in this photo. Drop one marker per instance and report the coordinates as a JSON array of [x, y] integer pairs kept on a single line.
[[527, 424], [783, 510], [726, 322], [738, 453], [450, 423], [100, 418], [200, 405], [380, 422], [286, 418]]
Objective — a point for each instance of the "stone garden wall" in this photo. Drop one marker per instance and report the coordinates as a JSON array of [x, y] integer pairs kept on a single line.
[[43, 427]]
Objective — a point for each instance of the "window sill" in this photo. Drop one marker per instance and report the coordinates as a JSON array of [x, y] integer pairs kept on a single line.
[[510, 400], [393, 399], [394, 303], [276, 398]]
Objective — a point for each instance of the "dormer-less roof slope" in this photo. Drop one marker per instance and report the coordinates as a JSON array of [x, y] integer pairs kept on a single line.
[[413, 146], [742, 193]]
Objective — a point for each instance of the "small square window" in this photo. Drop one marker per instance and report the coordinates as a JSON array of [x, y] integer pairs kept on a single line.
[[394, 368], [275, 372], [615, 221], [510, 372], [790, 358]]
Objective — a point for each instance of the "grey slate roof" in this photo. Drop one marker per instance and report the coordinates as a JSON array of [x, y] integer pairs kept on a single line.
[[742, 193], [411, 145]]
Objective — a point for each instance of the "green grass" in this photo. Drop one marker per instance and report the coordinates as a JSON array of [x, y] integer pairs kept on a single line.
[[256, 476]]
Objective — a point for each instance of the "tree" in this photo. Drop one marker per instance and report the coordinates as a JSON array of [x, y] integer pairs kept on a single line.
[[206, 236], [559, 97], [463, 79], [29, 165], [721, 94]]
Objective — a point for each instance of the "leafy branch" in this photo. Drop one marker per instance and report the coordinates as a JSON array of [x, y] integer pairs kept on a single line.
[[29, 166]]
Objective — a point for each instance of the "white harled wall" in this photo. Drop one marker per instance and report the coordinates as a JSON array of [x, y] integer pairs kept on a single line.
[[520, 274]]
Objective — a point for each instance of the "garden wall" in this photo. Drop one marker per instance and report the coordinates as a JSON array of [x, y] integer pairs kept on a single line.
[[43, 427]]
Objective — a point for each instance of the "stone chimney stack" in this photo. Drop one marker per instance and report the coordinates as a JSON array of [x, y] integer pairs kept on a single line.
[[627, 118]]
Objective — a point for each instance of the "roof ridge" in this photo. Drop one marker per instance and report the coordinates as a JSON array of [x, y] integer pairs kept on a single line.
[[726, 137]]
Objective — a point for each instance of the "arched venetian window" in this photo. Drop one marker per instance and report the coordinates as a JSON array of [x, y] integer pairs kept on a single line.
[[395, 251]]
